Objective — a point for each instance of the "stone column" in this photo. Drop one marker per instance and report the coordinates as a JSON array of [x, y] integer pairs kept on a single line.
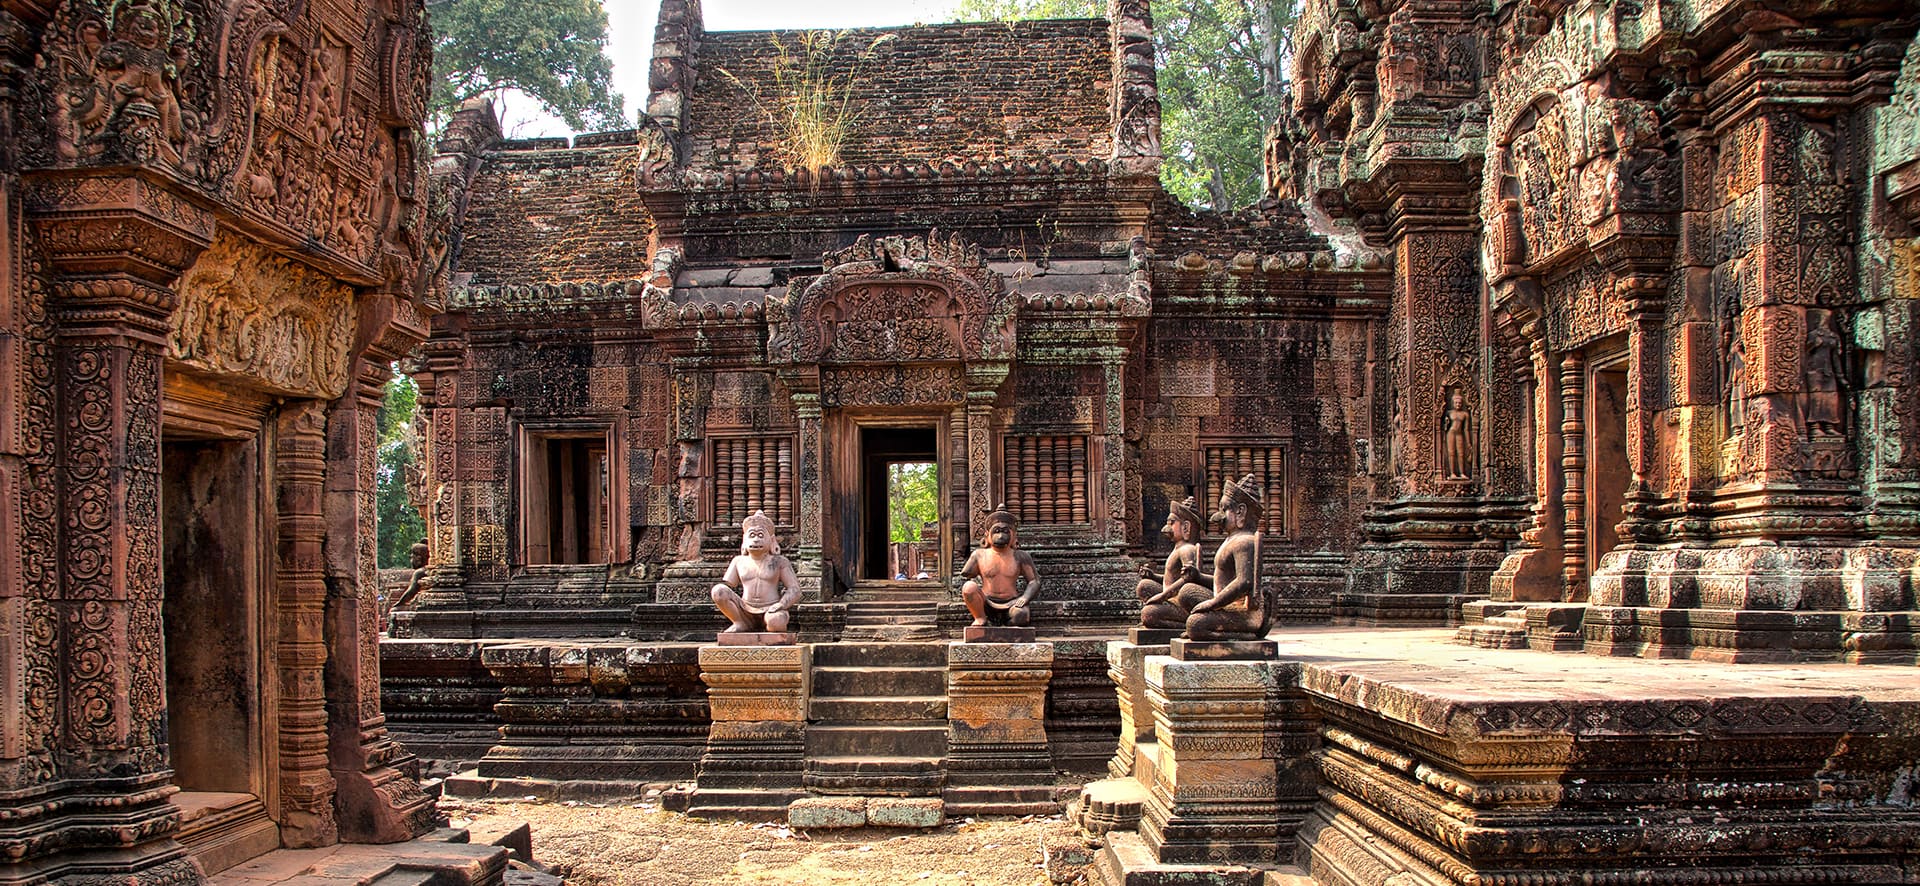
[[756, 748], [117, 245], [998, 761], [1233, 736], [1573, 468], [1126, 666]]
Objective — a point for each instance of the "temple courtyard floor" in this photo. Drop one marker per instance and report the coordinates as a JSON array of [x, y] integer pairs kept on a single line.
[[639, 844]]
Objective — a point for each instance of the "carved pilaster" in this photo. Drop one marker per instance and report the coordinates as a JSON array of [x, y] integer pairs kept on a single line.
[[377, 800], [306, 786]]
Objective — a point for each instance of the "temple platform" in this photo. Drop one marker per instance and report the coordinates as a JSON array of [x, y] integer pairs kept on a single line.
[[1400, 756]]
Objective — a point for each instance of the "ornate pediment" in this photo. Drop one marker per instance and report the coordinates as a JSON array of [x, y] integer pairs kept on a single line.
[[895, 300]]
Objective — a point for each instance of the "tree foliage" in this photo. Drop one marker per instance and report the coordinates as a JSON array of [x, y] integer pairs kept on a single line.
[[398, 523], [1222, 72], [551, 50], [913, 499]]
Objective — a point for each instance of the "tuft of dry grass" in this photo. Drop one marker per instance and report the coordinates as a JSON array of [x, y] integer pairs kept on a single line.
[[811, 108]]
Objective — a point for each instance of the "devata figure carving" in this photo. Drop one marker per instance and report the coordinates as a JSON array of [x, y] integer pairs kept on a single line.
[[994, 572], [1458, 437], [1166, 603], [1823, 410], [760, 588], [1238, 609]]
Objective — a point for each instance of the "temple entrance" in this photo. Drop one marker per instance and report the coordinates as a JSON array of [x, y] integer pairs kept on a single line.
[[900, 498], [566, 506], [216, 575], [1607, 469]]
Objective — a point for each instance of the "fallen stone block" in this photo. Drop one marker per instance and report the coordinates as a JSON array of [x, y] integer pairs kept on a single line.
[[906, 812], [827, 812]]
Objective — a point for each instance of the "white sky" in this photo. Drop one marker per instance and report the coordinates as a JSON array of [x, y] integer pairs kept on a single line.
[[630, 41]]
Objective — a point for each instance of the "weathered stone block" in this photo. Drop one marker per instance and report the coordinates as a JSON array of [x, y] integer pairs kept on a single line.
[[906, 812], [827, 813]]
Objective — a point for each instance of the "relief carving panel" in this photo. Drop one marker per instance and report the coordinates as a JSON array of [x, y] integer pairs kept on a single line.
[[245, 312]]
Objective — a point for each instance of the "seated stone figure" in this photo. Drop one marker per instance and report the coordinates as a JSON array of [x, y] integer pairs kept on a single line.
[[1238, 609], [760, 588], [992, 591], [417, 558], [1165, 603]]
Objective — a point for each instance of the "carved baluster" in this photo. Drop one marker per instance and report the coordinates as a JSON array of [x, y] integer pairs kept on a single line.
[[756, 476], [1080, 514], [1573, 467], [740, 481], [783, 473]]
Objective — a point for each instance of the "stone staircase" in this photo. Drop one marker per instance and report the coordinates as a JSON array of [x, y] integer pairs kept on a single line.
[[877, 721], [893, 612], [1507, 630]]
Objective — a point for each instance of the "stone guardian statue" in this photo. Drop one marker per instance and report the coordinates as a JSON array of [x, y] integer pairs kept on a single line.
[[1238, 609], [993, 575], [1166, 603], [760, 588]]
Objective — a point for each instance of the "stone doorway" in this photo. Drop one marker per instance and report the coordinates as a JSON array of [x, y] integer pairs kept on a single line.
[[888, 455], [217, 576], [1607, 469]]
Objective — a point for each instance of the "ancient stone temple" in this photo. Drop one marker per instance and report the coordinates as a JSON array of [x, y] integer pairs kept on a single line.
[[214, 222], [1583, 327]]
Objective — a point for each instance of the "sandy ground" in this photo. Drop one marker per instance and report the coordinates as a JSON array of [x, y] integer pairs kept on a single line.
[[638, 844]]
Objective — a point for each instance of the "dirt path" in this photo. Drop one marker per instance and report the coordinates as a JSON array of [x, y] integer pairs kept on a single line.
[[637, 844]]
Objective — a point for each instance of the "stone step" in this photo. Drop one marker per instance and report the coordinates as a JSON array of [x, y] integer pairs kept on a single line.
[[931, 708], [1489, 635], [743, 804], [890, 633], [1003, 800], [875, 776], [881, 655], [878, 682], [905, 604], [876, 739]]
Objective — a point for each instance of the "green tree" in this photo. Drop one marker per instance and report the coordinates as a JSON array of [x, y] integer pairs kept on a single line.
[[552, 50], [398, 523], [913, 499], [1222, 73]]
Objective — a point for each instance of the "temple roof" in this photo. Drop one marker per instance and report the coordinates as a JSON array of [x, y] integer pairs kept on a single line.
[[978, 92]]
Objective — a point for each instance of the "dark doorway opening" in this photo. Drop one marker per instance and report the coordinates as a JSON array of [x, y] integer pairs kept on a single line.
[[214, 577], [568, 513], [1607, 469], [896, 463]]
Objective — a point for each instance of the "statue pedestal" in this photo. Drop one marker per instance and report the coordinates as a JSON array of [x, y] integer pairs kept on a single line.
[[996, 634], [1223, 729], [1126, 665], [998, 761], [756, 748], [1153, 636], [1183, 649], [755, 638]]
